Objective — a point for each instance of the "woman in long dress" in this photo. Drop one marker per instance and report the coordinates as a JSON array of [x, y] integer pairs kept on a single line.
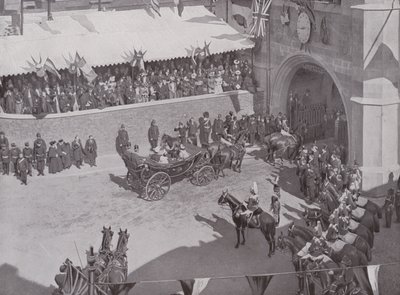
[[52, 158]]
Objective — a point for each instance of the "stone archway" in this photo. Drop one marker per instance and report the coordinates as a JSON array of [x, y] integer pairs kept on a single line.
[[284, 76]]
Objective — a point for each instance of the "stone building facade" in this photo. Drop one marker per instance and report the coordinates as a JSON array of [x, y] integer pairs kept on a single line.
[[357, 44]]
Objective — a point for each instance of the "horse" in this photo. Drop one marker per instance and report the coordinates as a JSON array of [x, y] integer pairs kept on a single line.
[[105, 254], [229, 154], [263, 221], [365, 217], [117, 270], [311, 217], [294, 246], [349, 238], [369, 206], [277, 142], [336, 250]]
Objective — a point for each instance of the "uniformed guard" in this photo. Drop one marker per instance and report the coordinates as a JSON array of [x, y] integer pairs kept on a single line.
[[397, 204], [14, 155], [28, 155], [40, 157], [5, 159], [22, 165], [122, 140], [252, 202], [252, 127], [388, 207]]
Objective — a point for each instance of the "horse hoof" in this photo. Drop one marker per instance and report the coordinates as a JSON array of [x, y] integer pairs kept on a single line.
[[243, 243], [269, 255], [237, 246]]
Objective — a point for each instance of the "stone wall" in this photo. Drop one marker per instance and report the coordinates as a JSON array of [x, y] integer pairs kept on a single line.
[[104, 124], [335, 55]]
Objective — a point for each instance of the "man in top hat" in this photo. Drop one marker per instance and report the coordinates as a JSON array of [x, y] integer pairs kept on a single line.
[[4, 140], [14, 155], [218, 130], [192, 129], [28, 155], [22, 164], [205, 129], [153, 134], [5, 159], [77, 152], [311, 183], [122, 140]]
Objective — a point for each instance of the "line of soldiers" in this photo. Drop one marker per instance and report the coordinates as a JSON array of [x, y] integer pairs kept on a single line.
[[59, 156], [315, 166], [204, 130]]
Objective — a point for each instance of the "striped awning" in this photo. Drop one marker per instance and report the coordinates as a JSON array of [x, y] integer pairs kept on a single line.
[[105, 38]]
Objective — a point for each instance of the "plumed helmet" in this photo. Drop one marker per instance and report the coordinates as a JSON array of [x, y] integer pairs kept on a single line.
[[254, 188]]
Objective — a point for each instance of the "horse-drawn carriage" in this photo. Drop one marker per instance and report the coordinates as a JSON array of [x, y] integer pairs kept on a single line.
[[155, 179]]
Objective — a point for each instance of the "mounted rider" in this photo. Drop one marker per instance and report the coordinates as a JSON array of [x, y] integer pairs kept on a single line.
[[251, 204]]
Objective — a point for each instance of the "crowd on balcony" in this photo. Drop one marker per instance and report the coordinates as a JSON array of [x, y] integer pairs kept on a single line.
[[122, 84]]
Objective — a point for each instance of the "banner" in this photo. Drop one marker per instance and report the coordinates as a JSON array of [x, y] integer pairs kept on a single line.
[[373, 272], [194, 286], [258, 284], [242, 13]]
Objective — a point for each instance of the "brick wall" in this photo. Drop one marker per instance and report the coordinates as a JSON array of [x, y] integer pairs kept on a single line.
[[104, 124]]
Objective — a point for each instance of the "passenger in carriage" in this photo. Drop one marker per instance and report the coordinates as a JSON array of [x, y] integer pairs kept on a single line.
[[183, 154], [164, 158]]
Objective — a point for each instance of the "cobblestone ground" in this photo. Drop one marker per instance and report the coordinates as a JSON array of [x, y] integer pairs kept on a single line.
[[184, 235]]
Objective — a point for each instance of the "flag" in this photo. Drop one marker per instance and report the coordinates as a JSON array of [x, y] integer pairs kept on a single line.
[[260, 17], [51, 68], [373, 271], [137, 59], [155, 6], [242, 13], [194, 286], [180, 6], [87, 70], [259, 284]]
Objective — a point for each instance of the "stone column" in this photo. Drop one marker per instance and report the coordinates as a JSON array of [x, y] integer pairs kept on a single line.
[[375, 92], [260, 67]]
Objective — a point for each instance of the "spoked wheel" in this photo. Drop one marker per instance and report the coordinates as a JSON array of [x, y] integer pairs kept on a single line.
[[158, 186], [205, 175], [145, 174]]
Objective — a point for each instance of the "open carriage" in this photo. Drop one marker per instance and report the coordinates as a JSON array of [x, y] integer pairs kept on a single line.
[[155, 178]]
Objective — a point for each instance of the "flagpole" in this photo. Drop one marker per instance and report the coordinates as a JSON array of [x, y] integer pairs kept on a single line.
[[269, 64], [21, 27], [49, 16]]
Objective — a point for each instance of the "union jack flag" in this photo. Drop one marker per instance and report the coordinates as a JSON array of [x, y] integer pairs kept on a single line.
[[260, 17]]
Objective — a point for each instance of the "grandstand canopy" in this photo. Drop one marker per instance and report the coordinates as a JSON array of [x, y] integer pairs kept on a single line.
[[105, 38]]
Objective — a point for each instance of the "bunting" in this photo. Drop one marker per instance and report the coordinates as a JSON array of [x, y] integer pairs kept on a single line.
[[180, 6], [79, 66], [258, 284], [194, 286], [373, 272], [155, 6], [40, 67]]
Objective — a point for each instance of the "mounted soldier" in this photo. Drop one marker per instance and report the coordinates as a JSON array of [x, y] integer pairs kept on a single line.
[[251, 204]]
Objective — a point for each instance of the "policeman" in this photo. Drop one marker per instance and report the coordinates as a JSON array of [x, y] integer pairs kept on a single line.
[[28, 155], [14, 154], [40, 157], [5, 159], [388, 207]]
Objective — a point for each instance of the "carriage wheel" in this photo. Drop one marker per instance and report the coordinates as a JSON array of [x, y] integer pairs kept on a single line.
[[205, 175], [158, 186]]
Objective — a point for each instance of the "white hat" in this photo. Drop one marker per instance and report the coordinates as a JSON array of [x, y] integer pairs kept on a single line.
[[182, 147], [254, 188], [157, 149]]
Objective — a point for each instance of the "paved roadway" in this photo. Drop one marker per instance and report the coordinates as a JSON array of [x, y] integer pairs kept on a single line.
[[184, 235]]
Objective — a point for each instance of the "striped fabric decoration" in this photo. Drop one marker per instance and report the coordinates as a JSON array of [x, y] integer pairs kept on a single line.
[[155, 5]]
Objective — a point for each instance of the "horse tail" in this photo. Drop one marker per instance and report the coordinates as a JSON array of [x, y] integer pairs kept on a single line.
[[376, 223]]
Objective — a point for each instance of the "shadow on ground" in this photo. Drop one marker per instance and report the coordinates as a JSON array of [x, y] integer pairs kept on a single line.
[[12, 284]]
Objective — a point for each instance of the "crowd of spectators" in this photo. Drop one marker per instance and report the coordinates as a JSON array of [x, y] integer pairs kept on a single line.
[[122, 84]]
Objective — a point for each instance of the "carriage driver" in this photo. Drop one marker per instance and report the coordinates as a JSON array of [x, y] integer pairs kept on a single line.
[[252, 202]]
